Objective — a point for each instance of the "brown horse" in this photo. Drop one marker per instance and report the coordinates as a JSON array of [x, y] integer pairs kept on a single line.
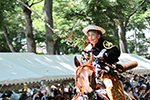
[[114, 87]]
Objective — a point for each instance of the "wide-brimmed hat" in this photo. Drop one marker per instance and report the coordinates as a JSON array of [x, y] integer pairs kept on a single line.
[[93, 27]]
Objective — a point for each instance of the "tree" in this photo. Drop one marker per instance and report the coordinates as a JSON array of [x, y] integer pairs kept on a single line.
[[112, 15], [66, 27], [47, 9], [28, 30], [139, 23], [8, 40], [6, 7]]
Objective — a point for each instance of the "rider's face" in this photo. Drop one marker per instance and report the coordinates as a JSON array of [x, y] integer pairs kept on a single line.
[[93, 37]]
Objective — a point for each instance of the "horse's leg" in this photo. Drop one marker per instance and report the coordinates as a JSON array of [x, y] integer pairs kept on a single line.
[[114, 87]]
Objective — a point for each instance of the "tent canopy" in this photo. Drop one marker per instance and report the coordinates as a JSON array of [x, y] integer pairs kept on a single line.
[[19, 68]]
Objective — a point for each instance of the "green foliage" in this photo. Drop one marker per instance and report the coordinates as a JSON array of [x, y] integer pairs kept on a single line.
[[4, 46], [72, 16], [105, 13], [11, 20], [14, 21], [65, 26], [6, 6], [140, 22]]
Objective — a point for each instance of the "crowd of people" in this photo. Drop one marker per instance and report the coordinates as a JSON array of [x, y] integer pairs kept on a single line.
[[59, 92], [135, 86]]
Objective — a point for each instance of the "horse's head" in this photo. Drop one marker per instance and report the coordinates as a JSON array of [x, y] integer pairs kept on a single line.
[[85, 79], [84, 76]]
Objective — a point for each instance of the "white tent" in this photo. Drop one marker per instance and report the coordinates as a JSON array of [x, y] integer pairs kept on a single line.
[[30, 68], [19, 68]]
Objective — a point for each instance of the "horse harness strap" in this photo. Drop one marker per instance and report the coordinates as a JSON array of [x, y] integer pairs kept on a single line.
[[77, 76]]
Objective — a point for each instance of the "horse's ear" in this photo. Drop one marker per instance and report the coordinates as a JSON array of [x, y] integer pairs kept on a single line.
[[76, 62]]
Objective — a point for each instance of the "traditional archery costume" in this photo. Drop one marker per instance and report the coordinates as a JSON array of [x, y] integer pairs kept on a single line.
[[103, 49], [106, 51]]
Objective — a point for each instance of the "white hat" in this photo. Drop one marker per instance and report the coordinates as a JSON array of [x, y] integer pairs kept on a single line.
[[58, 85], [53, 86], [93, 27]]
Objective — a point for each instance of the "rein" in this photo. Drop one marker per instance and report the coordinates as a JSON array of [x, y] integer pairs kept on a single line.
[[87, 64], [80, 93]]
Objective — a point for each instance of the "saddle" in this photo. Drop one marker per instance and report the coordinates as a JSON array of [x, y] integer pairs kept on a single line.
[[110, 82]]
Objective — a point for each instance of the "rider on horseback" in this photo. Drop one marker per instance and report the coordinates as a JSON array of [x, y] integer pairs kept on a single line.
[[104, 51], [99, 47]]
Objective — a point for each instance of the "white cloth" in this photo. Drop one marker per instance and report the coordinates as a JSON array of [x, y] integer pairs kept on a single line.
[[34, 96]]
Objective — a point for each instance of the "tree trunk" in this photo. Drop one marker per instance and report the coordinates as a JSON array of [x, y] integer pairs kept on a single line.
[[122, 37], [66, 49], [11, 47], [135, 42], [47, 9], [31, 47]]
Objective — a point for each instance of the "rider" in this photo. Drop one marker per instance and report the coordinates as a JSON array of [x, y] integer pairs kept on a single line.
[[99, 47], [102, 50]]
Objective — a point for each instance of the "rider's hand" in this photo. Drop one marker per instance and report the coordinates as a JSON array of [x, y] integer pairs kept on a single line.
[[101, 54], [120, 68]]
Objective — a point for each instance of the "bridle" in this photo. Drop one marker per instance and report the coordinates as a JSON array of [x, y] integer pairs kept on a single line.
[[77, 75], [89, 65], [80, 88]]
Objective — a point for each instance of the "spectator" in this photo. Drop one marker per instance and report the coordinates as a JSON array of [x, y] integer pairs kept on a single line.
[[66, 89], [23, 96], [34, 92], [70, 91], [4, 96], [36, 95], [51, 98], [42, 96], [141, 94], [53, 91], [59, 90], [37, 98], [147, 94], [24, 93], [59, 97], [66, 96], [148, 80], [135, 81], [136, 93]]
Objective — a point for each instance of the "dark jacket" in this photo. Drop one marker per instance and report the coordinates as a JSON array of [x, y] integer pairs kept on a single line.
[[112, 52], [23, 97]]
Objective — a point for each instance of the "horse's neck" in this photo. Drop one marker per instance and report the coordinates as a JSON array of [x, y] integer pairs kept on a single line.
[[87, 72]]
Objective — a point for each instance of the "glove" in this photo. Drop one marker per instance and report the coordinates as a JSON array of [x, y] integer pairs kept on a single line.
[[100, 55], [120, 68]]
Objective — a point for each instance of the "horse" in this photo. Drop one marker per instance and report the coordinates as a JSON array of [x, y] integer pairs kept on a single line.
[[85, 81]]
